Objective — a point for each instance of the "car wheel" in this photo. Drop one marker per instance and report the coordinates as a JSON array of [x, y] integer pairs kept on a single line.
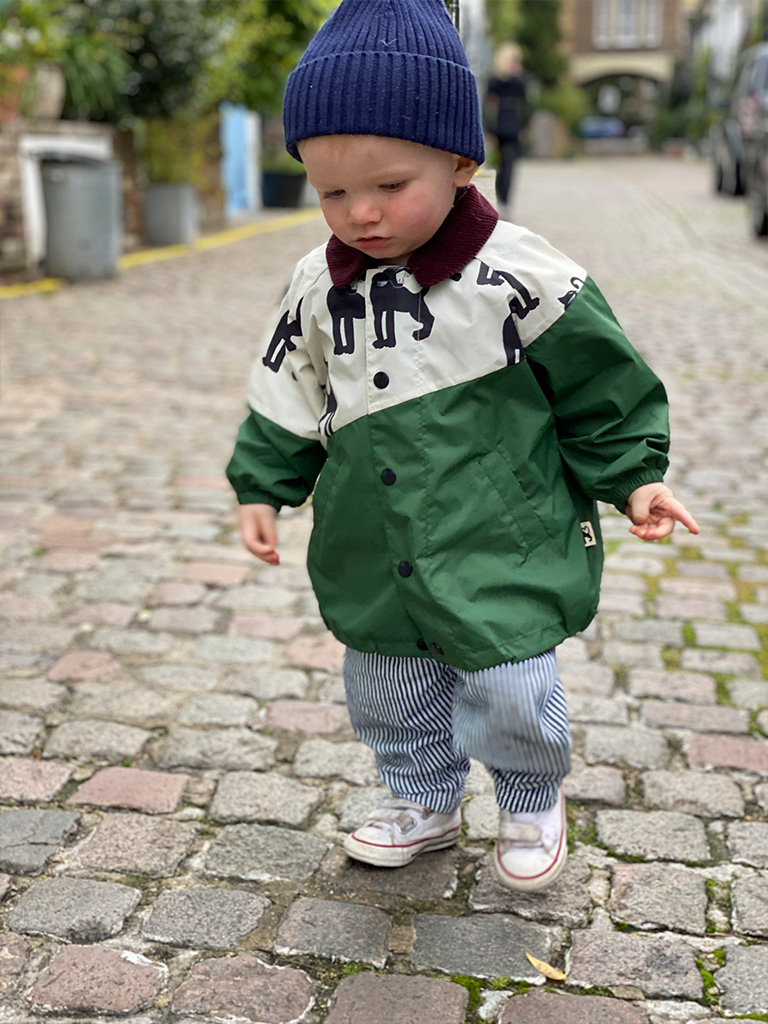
[[758, 215]]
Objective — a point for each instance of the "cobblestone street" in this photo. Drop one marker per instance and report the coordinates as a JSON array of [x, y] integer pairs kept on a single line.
[[178, 769]]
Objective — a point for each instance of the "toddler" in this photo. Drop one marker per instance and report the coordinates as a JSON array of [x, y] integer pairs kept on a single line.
[[456, 394]]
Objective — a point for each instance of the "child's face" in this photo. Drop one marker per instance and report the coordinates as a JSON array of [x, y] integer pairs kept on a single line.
[[385, 197]]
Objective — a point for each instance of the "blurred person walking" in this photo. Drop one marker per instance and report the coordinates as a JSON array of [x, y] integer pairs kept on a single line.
[[506, 114]]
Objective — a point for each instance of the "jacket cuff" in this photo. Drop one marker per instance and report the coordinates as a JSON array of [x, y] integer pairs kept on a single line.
[[631, 483], [257, 498]]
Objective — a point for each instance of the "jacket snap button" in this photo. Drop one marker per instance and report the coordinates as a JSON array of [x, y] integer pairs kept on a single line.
[[436, 648], [381, 380], [405, 568], [422, 644], [388, 476]]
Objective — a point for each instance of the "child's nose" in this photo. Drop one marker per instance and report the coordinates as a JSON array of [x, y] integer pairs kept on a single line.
[[364, 211]]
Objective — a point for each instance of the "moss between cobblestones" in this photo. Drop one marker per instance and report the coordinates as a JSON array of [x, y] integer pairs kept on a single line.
[[581, 827], [751, 1016], [722, 693], [689, 635], [671, 656], [708, 979]]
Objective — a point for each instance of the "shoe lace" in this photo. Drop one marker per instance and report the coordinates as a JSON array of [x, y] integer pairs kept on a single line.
[[400, 812], [524, 833]]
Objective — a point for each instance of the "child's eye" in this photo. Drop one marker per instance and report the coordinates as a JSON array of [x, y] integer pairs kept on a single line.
[[332, 195], [394, 186]]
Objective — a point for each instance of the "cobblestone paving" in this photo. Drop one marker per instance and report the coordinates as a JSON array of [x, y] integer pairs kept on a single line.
[[178, 767]]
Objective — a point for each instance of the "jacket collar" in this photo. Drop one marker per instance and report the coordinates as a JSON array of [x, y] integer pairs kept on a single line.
[[459, 238]]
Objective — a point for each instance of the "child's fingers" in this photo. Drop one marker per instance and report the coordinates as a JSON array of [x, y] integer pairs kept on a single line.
[[259, 532]]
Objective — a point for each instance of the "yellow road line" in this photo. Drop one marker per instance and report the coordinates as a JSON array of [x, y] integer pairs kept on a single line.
[[169, 252]]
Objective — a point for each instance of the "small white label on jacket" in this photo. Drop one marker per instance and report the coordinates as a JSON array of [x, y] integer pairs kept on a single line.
[[588, 532]]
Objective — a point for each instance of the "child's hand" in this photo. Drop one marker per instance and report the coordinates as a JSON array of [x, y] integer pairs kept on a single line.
[[259, 532], [654, 510]]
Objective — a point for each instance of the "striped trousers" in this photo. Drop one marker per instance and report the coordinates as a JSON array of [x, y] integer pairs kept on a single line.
[[425, 720]]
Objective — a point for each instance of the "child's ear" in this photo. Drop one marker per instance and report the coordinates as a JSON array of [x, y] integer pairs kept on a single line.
[[464, 171]]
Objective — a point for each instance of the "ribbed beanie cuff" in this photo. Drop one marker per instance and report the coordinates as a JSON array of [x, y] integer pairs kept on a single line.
[[394, 68]]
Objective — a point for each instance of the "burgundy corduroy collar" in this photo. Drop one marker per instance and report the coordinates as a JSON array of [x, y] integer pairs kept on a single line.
[[459, 238]]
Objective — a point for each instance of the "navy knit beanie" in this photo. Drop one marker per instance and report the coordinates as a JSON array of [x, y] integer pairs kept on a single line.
[[394, 68]]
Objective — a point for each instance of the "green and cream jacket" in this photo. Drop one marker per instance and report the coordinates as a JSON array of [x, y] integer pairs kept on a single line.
[[457, 419]]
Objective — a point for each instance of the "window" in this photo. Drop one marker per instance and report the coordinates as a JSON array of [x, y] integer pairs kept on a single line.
[[601, 24], [653, 23], [627, 28]]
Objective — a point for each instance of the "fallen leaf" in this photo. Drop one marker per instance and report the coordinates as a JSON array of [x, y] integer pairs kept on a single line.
[[546, 969]]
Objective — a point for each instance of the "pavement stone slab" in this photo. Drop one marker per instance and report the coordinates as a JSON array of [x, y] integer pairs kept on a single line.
[[137, 844], [133, 789], [19, 732], [131, 705], [321, 759], [73, 909], [703, 659], [95, 740], [727, 752], [744, 979], [131, 641], [639, 748], [335, 931], [231, 749], [245, 988], [589, 679], [487, 946], [183, 677], [232, 650], [658, 896], [96, 979], [224, 709], [354, 808], [481, 817], [264, 853], [27, 780], [749, 903], [546, 1007], [432, 876], [321, 651], [654, 835], [567, 901], [748, 842], [686, 686], [204, 918], [14, 953], [704, 794], [748, 693], [658, 966], [696, 717], [266, 798], [398, 999], [184, 620], [28, 839], [305, 717], [594, 782], [268, 684], [34, 695], [730, 635]]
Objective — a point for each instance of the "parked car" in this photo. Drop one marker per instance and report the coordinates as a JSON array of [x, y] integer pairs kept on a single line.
[[732, 138]]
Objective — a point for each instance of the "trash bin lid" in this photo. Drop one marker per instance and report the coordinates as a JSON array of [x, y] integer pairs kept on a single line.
[[83, 159]]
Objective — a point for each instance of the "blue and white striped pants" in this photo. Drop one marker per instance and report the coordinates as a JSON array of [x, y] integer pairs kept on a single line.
[[425, 720]]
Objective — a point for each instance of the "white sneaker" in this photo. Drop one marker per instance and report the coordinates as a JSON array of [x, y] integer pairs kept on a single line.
[[398, 831], [532, 848]]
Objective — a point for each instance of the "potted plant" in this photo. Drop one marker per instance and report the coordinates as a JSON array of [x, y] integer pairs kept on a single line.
[[172, 152]]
